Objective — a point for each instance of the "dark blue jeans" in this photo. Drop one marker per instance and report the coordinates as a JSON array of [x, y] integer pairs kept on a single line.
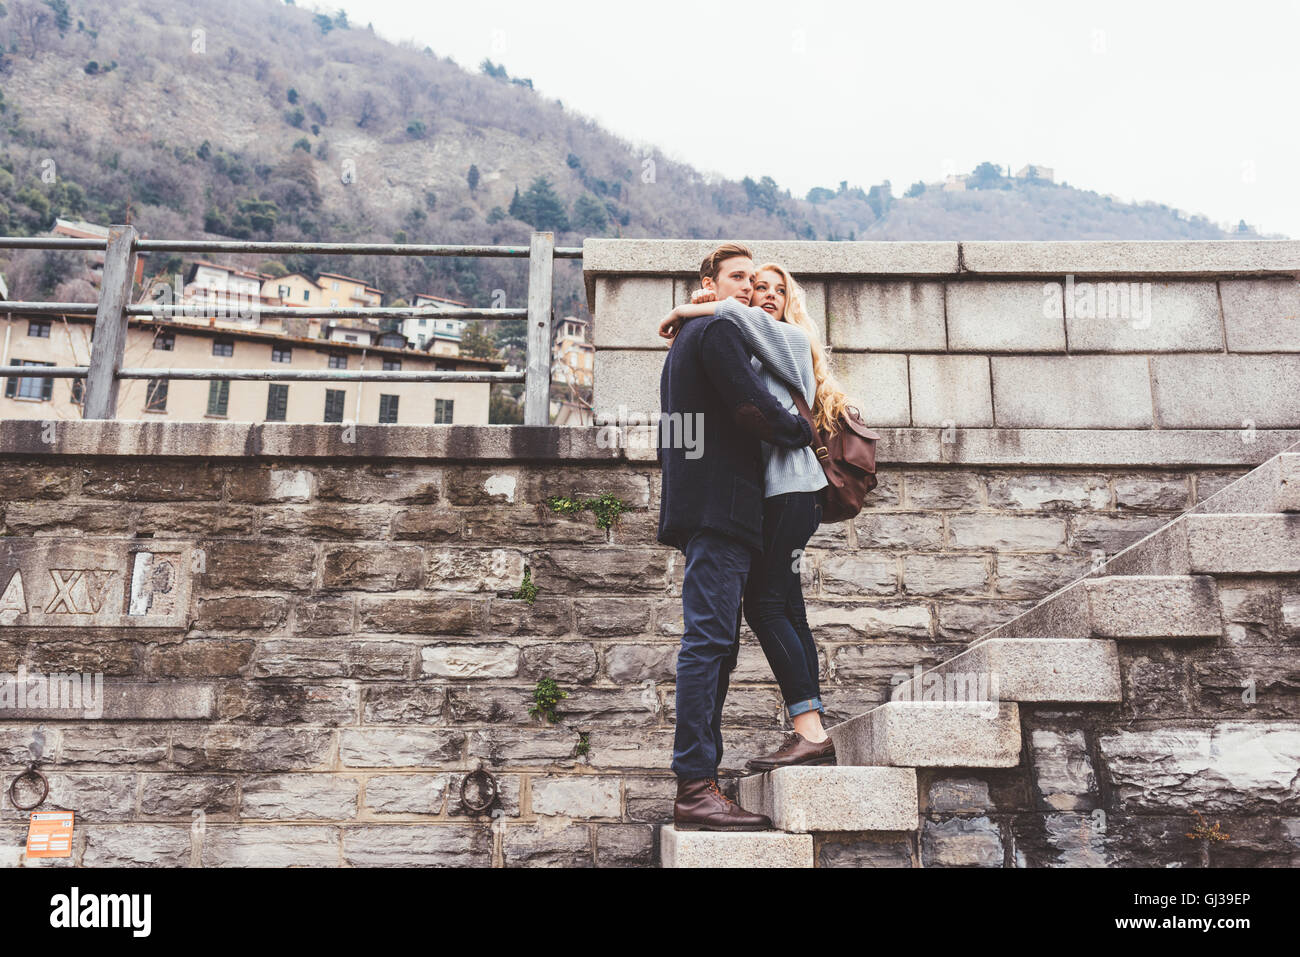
[[773, 605], [716, 568]]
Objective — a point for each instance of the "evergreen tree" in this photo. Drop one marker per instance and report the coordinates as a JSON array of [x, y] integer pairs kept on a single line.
[[540, 207], [589, 215]]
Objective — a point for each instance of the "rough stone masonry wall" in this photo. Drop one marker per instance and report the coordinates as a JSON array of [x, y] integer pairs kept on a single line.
[[349, 649]]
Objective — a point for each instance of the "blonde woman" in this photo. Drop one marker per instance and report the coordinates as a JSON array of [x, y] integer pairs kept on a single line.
[[787, 352]]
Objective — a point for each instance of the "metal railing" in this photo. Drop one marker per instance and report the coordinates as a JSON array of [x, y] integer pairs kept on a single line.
[[114, 310]]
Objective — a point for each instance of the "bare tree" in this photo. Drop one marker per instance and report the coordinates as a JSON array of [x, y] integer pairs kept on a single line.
[[405, 90], [369, 109], [32, 23]]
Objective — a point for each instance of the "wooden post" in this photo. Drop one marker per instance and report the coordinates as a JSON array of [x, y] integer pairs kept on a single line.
[[110, 324], [537, 378]]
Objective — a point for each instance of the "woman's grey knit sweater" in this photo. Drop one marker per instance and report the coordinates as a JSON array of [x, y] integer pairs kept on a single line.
[[781, 354]]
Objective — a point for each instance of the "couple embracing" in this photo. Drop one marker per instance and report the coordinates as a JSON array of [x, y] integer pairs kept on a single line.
[[742, 511]]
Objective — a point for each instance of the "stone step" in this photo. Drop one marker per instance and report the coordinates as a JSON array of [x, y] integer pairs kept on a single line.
[[1244, 544], [832, 798], [1273, 487], [1023, 669], [1122, 606], [1153, 606], [1288, 482], [922, 734], [733, 848]]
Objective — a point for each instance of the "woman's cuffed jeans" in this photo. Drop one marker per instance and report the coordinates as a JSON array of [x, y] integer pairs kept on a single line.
[[773, 600]]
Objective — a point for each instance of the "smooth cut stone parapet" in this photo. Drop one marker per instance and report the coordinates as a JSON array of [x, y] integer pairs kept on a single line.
[[1132, 258]]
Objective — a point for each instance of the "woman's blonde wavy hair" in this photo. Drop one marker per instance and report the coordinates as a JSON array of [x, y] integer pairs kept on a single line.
[[829, 400]]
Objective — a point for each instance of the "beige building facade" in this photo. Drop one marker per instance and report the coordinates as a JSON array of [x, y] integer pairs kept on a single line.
[[344, 292], [293, 289], [57, 341]]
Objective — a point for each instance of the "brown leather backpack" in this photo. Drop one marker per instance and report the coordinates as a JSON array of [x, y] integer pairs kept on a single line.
[[848, 459]]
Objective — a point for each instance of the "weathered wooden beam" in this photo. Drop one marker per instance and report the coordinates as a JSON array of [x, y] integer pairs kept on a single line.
[[110, 324]]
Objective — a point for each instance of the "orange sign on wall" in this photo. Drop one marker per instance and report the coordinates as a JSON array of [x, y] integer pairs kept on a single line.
[[50, 834]]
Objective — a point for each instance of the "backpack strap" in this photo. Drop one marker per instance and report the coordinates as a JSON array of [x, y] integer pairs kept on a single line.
[[823, 454]]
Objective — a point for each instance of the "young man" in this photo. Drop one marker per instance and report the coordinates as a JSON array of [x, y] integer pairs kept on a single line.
[[711, 508]]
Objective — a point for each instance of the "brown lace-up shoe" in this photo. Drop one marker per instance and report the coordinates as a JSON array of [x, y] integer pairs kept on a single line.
[[701, 806], [796, 750]]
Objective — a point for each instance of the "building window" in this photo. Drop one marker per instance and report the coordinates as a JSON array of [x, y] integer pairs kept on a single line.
[[422, 322], [334, 405], [218, 396], [334, 286], [393, 340], [281, 354], [155, 397], [284, 291], [24, 388], [306, 295], [38, 328], [78, 391], [392, 365], [442, 411], [164, 341], [388, 410], [223, 347], [347, 338], [338, 360], [277, 402]]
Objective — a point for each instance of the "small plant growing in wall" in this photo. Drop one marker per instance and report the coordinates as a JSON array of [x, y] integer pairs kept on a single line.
[[527, 589], [546, 696], [1207, 834], [584, 743], [565, 506], [607, 506]]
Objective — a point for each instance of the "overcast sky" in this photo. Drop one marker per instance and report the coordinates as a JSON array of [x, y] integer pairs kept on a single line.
[[1190, 104]]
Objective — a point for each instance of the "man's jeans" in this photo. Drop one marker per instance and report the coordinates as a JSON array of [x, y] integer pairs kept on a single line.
[[774, 607], [716, 568]]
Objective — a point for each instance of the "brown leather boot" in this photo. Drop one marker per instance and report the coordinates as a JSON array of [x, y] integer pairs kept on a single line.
[[796, 750], [701, 806]]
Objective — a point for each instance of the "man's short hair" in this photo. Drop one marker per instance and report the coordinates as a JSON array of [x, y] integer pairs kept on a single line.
[[714, 260]]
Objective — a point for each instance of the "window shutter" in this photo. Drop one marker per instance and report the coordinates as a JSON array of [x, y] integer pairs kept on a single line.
[[218, 396]]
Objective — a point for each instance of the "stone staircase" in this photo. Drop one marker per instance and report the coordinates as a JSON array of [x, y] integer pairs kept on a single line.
[[964, 712]]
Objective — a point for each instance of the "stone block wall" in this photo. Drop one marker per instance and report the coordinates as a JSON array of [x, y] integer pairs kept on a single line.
[[349, 647], [1102, 335]]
